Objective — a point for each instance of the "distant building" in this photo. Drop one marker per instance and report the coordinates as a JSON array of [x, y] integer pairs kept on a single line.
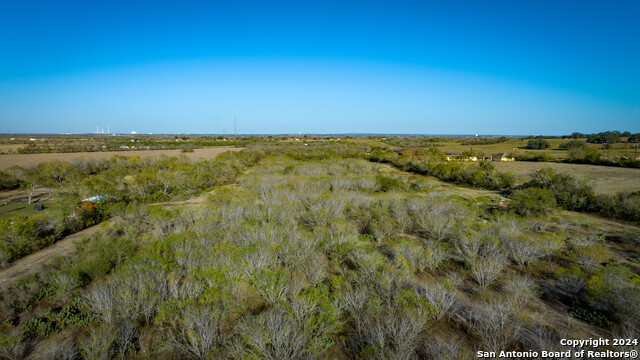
[[88, 205], [505, 157]]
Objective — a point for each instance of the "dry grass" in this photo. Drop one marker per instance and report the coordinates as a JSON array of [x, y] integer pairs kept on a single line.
[[605, 179], [11, 147], [24, 160]]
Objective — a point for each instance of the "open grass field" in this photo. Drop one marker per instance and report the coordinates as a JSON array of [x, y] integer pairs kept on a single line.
[[617, 150], [15, 202], [24, 160], [455, 146], [513, 145], [22, 208], [605, 179]]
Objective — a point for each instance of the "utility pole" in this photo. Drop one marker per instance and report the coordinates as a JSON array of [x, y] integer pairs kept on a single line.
[[235, 124]]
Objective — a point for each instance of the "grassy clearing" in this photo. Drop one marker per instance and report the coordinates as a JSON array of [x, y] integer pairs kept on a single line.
[[14, 202], [24, 208], [605, 179]]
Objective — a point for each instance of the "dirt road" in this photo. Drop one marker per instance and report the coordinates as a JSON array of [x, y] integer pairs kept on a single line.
[[32, 262]]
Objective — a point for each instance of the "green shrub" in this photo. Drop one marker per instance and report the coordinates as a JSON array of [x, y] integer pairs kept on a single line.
[[573, 144], [532, 156], [8, 181], [615, 289], [537, 144], [103, 253], [571, 192], [532, 201], [385, 183]]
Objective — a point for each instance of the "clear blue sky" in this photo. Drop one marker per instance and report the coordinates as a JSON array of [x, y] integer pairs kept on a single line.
[[440, 67]]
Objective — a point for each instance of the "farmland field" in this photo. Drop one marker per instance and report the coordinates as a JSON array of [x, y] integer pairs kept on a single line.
[[605, 179], [517, 145], [23, 160]]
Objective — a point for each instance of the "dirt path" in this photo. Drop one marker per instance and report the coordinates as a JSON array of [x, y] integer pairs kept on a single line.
[[31, 263]]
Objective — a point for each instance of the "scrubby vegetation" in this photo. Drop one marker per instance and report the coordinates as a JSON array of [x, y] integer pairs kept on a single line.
[[433, 163], [325, 252], [122, 180], [574, 193]]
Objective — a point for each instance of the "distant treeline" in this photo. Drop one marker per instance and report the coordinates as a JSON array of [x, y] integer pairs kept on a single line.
[[485, 140], [605, 137], [570, 192], [123, 145], [578, 155]]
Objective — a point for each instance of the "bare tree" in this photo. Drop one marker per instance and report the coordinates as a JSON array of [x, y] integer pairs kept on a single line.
[[571, 283], [126, 332], [468, 247], [200, 331], [98, 345], [496, 323], [444, 300], [437, 218], [274, 285], [397, 337], [102, 301], [58, 349], [401, 216], [430, 256], [521, 289], [524, 252], [444, 348], [272, 335], [13, 347], [486, 269]]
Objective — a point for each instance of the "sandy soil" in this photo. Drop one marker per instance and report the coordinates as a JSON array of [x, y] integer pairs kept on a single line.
[[32, 262], [23, 160], [605, 179]]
